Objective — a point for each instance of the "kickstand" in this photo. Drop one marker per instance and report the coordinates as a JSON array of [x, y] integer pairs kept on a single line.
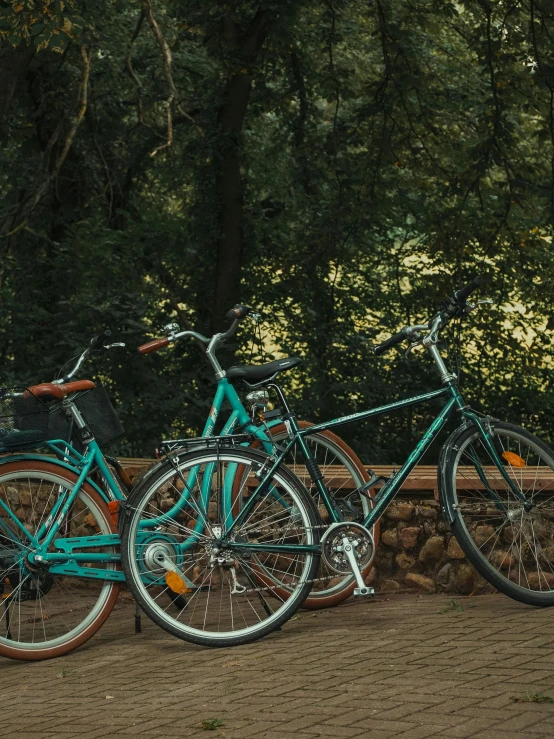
[[7, 612], [138, 619]]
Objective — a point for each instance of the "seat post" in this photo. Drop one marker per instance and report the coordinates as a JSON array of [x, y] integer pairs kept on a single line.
[[282, 397]]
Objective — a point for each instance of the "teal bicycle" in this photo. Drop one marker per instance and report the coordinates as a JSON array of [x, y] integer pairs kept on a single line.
[[60, 566], [344, 475], [244, 530]]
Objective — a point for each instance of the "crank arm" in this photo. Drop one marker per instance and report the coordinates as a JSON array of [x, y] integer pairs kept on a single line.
[[362, 588]]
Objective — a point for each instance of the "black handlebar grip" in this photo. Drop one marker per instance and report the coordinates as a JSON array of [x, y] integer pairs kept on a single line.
[[462, 295], [98, 341], [238, 312], [389, 343]]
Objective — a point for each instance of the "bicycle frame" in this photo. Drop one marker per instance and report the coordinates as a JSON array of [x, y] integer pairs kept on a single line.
[[454, 402], [67, 561]]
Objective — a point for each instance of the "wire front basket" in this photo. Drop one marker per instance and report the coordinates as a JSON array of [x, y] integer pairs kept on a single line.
[[100, 417], [24, 419]]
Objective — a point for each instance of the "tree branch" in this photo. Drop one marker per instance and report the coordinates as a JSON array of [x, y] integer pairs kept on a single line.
[[167, 64], [42, 189]]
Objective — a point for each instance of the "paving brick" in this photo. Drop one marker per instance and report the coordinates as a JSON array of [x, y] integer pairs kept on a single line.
[[381, 669], [422, 732]]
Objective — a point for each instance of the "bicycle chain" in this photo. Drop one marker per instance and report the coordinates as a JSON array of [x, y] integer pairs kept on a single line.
[[287, 529], [280, 587], [301, 583]]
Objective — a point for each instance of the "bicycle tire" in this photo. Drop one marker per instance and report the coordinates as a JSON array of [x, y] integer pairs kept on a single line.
[[137, 561], [502, 560], [108, 592]]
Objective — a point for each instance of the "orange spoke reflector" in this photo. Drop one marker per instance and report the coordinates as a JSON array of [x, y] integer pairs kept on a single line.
[[176, 583], [514, 459]]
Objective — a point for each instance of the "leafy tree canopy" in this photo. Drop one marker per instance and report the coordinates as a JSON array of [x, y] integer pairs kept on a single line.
[[341, 165]]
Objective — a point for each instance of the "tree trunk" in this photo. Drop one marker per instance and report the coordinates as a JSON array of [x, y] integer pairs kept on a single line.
[[244, 47]]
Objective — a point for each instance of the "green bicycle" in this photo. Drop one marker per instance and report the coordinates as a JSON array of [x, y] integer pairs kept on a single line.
[[242, 528]]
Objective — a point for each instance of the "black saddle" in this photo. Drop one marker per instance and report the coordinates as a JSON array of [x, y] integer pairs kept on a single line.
[[260, 372]]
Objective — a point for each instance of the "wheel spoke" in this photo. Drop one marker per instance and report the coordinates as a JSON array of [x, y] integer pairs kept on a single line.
[[515, 546], [228, 587]]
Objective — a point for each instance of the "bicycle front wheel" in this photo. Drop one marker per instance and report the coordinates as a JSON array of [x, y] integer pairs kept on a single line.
[[509, 546], [43, 615], [196, 582]]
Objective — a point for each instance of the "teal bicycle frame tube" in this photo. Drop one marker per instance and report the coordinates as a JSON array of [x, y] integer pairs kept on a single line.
[[393, 485], [67, 562], [238, 419]]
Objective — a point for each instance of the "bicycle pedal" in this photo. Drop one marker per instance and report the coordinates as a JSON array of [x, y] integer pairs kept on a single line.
[[363, 591]]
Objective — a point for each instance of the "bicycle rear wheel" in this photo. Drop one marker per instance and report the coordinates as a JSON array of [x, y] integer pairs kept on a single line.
[[343, 474], [510, 547], [44, 615], [174, 541]]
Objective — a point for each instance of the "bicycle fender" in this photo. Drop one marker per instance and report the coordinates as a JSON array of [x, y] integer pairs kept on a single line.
[[59, 463], [450, 446]]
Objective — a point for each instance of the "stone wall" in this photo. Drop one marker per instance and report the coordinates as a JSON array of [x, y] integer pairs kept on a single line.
[[417, 551]]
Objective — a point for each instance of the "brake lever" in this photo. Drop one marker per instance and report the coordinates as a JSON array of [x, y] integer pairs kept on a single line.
[[472, 306], [112, 346], [411, 348]]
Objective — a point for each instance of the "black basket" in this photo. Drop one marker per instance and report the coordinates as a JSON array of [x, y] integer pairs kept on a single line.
[[24, 419], [99, 415]]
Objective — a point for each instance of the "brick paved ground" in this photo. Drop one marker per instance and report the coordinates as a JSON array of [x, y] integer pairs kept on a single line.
[[378, 669]]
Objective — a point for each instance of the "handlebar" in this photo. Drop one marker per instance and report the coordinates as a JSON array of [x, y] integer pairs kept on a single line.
[[452, 307], [462, 295], [153, 346], [98, 341], [384, 346], [235, 315], [238, 312]]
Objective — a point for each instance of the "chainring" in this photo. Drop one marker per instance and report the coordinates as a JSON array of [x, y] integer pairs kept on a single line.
[[332, 546]]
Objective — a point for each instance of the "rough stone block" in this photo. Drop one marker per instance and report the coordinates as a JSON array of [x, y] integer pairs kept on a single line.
[[427, 512], [401, 512], [404, 561], [420, 581], [483, 535], [454, 550], [390, 538], [465, 581], [432, 550], [408, 536], [389, 586]]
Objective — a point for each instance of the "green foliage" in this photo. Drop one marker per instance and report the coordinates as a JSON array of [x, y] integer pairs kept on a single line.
[[388, 152], [211, 724], [455, 607], [47, 24], [530, 697]]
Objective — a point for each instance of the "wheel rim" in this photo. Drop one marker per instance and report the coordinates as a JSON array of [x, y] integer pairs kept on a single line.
[[39, 611], [519, 545], [226, 597]]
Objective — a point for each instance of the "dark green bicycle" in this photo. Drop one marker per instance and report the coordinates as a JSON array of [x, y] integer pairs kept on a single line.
[[254, 557]]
